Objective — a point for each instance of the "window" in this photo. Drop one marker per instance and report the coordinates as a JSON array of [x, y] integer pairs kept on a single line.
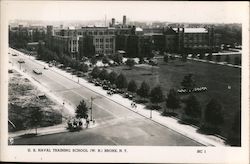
[[107, 40], [95, 33], [111, 39], [111, 32], [107, 46], [100, 33], [96, 40], [101, 40], [101, 46], [105, 33]]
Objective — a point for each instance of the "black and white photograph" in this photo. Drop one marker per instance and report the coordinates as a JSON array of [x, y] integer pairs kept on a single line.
[[131, 74]]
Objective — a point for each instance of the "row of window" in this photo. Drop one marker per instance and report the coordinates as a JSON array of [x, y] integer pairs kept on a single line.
[[106, 40], [102, 46], [195, 45], [74, 49], [104, 51], [96, 33]]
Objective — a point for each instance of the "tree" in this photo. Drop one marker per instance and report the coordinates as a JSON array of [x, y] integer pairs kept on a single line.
[[144, 90], [35, 116], [112, 77], [227, 59], [184, 57], [202, 54], [209, 56], [82, 110], [130, 63], [141, 60], [165, 58], [121, 81], [95, 72], [234, 137], [105, 60], [218, 58], [118, 58], [132, 86], [193, 108], [237, 60], [188, 82], [156, 95], [84, 68], [213, 114], [104, 75], [173, 100], [93, 60]]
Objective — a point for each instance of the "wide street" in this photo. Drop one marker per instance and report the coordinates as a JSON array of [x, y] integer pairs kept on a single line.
[[116, 125]]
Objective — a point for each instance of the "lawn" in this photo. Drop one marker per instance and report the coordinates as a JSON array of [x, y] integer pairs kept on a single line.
[[23, 98], [216, 78]]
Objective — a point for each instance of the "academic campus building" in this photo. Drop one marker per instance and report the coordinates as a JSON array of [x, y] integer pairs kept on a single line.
[[135, 41]]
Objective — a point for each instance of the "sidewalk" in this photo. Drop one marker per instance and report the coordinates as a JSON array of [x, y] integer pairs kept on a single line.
[[172, 123], [47, 130]]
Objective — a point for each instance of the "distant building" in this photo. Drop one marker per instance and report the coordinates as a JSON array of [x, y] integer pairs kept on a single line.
[[103, 39], [135, 41], [197, 39]]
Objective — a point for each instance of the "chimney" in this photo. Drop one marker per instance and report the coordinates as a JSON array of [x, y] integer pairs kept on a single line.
[[124, 20], [113, 22]]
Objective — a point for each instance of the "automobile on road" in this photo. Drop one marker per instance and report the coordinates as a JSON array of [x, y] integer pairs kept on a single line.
[[21, 61], [37, 71]]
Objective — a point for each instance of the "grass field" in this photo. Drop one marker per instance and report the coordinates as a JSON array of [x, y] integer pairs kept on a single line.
[[216, 78], [23, 98]]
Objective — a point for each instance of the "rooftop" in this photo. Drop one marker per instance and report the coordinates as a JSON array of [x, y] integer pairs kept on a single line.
[[193, 30]]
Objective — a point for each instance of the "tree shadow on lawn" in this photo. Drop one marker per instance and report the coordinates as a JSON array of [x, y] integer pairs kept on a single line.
[[127, 69], [146, 74], [208, 130], [189, 121], [169, 114]]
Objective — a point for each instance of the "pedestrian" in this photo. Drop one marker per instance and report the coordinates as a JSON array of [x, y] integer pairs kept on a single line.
[[87, 123]]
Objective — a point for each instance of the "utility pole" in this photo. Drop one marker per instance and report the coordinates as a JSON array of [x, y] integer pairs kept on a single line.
[[20, 65], [151, 114], [91, 108]]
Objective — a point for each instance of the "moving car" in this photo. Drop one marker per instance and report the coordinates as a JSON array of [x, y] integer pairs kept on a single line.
[[37, 71], [21, 61]]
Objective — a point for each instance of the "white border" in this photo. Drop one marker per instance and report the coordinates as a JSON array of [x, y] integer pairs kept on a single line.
[[141, 154]]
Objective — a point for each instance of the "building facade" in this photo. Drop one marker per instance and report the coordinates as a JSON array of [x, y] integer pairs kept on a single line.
[[133, 40], [103, 39]]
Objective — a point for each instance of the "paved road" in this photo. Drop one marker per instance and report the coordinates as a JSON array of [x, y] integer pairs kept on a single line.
[[116, 124]]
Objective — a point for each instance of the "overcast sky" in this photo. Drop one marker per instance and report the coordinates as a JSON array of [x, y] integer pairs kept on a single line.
[[198, 12]]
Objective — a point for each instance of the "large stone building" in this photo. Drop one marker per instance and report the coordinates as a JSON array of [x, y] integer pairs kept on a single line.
[[103, 40], [135, 41]]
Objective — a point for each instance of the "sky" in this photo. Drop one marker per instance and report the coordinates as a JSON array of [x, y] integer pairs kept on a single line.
[[173, 11]]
